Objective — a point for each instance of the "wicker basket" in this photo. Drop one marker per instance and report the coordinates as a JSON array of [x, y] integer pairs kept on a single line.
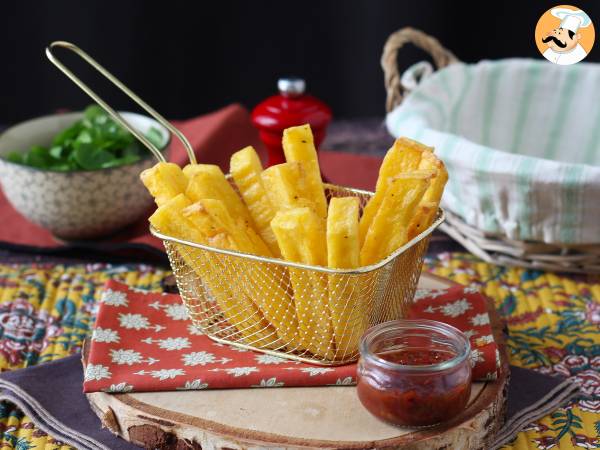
[[466, 224]]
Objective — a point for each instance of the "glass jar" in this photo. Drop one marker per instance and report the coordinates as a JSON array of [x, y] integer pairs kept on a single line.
[[414, 372]]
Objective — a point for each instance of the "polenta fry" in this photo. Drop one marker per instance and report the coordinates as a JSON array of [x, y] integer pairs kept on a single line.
[[423, 218], [164, 181], [404, 156], [389, 229], [342, 233], [217, 216], [430, 162], [349, 316], [263, 287], [427, 209], [245, 167], [286, 186], [207, 181], [239, 310], [299, 146], [300, 233]]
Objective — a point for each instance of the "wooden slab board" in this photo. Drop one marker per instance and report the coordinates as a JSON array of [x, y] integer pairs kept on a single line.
[[286, 418]]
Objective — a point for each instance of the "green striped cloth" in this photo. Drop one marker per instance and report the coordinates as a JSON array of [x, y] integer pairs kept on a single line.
[[521, 140]]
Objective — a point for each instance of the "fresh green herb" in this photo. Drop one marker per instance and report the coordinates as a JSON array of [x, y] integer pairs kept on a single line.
[[92, 143]]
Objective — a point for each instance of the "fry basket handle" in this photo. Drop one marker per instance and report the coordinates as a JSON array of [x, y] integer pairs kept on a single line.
[[441, 56], [114, 114]]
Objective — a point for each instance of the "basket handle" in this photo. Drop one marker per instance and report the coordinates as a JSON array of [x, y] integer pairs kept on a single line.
[[441, 56], [114, 114]]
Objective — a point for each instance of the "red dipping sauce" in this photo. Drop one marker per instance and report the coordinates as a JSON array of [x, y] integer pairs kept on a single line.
[[414, 372]]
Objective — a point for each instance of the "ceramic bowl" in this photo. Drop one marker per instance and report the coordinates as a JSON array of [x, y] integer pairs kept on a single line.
[[80, 204]]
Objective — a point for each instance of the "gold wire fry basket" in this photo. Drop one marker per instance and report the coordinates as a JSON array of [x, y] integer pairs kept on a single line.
[[305, 313]]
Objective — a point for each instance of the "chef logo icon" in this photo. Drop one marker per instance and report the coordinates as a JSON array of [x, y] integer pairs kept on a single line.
[[564, 35]]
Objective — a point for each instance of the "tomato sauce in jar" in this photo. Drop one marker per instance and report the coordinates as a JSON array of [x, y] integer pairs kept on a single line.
[[414, 372]]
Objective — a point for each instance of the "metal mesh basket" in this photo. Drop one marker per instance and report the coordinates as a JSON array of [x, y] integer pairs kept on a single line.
[[306, 313]]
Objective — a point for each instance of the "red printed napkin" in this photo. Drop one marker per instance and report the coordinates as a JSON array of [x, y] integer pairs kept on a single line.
[[145, 342], [465, 308]]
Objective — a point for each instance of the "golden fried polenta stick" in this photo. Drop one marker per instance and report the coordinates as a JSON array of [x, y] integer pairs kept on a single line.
[[429, 205], [164, 181], [423, 218], [343, 251], [168, 219], [301, 234], [286, 185], [237, 308], [348, 311], [389, 229], [207, 181], [260, 284], [430, 162], [245, 167], [299, 146], [404, 156], [215, 214]]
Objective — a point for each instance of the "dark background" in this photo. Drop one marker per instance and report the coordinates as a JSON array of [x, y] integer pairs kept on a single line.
[[187, 58]]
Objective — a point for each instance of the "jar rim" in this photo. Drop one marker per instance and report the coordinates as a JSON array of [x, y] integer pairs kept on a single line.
[[377, 331]]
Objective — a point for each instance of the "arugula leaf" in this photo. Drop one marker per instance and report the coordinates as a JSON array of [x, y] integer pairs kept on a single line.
[[61, 167], [95, 114], [38, 156], [91, 158], [56, 151], [121, 161], [85, 137], [68, 134], [15, 157]]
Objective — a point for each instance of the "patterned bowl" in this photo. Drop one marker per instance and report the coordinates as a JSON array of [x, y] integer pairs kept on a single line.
[[79, 204]]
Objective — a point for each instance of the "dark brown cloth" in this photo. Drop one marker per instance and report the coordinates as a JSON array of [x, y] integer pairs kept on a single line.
[[60, 409]]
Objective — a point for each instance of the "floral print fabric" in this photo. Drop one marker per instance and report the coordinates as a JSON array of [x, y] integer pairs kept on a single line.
[[566, 307], [47, 311], [553, 327]]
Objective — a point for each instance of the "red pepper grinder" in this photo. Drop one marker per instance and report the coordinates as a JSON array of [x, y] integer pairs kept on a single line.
[[290, 108]]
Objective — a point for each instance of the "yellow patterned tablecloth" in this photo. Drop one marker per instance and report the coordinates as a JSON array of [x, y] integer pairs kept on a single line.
[[46, 311], [554, 323]]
